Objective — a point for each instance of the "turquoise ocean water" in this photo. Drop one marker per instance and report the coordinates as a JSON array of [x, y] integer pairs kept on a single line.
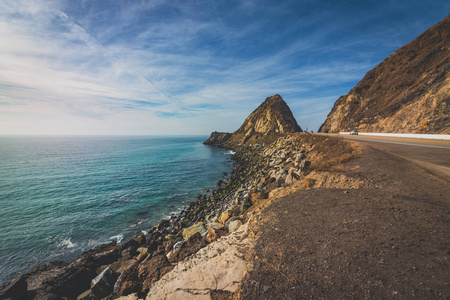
[[60, 196]]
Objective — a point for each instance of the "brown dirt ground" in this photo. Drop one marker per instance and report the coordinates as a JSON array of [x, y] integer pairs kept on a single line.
[[388, 240]]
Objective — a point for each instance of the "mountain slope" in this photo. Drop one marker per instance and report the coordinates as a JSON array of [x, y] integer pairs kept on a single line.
[[409, 88], [272, 117]]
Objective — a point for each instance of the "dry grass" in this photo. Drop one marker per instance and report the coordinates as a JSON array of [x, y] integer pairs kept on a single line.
[[308, 183], [329, 152]]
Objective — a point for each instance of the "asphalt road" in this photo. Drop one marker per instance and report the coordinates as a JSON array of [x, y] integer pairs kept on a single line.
[[435, 152]]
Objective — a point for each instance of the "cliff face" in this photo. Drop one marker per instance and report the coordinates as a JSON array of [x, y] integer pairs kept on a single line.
[[409, 92]]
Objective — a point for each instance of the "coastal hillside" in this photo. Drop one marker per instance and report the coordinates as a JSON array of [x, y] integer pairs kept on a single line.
[[409, 92], [272, 117]]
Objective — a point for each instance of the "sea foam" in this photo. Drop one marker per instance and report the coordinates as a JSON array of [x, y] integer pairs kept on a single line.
[[67, 243], [118, 238]]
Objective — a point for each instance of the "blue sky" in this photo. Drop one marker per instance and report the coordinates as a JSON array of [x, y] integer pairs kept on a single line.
[[188, 67]]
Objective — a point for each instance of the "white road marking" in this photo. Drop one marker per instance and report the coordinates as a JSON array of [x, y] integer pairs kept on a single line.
[[391, 142]]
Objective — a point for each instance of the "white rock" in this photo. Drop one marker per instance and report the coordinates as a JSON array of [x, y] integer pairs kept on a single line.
[[234, 225], [218, 266]]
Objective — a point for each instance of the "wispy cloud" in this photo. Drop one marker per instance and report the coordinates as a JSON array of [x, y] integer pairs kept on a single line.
[[149, 67]]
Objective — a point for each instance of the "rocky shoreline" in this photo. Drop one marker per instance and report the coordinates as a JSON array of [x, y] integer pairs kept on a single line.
[[132, 267]]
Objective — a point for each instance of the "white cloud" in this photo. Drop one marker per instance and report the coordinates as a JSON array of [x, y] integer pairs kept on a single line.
[[123, 69]]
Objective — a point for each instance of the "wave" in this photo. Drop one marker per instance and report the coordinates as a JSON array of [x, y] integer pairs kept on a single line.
[[118, 238], [230, 152], [67, 243], [136, 223]]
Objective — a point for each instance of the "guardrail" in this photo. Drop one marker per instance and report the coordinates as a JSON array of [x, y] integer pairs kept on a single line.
[[406, 135]]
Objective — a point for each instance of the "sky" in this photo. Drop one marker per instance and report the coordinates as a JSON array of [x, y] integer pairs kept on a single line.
[[161, 67]]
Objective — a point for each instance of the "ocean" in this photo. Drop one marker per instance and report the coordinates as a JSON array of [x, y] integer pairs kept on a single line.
[[60, 196]]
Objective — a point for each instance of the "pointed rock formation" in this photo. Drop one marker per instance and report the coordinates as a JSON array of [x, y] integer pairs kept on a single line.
[[272, 117], [409, 92]]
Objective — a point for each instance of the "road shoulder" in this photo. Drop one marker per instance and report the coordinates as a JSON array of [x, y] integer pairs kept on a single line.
[[388, 239]]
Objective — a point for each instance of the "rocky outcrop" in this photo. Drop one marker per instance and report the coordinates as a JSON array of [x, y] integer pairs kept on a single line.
[[272, 118], [409, 92], [217, 138], [60, 280], [217, 269]]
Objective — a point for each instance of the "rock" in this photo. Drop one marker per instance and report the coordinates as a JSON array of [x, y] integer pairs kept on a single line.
[[246, 204], [163, 224], [142, 253], [118, 284], [214, 234], [129, 249], [190, 231], [304, 165], [16, 289], [217, 138], [142, 250], [121, 265], [218, 267], [272, 116], [260, 186], [101, 269], [177, 247], [224, 217], [171, 256], [87, 295], [107, 257], [234, 225], [103, 284], [58, 280], [227, 224], [129, 244], [289, 179], [141, 239], [152, 270], [195, 243], [215, 225]]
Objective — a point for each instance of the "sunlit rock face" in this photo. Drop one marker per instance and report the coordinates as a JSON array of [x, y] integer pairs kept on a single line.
[[272, 116], [409, 92]]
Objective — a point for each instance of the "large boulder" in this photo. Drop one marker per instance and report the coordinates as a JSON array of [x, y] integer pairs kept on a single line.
[[190, 231], [102, 285]]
